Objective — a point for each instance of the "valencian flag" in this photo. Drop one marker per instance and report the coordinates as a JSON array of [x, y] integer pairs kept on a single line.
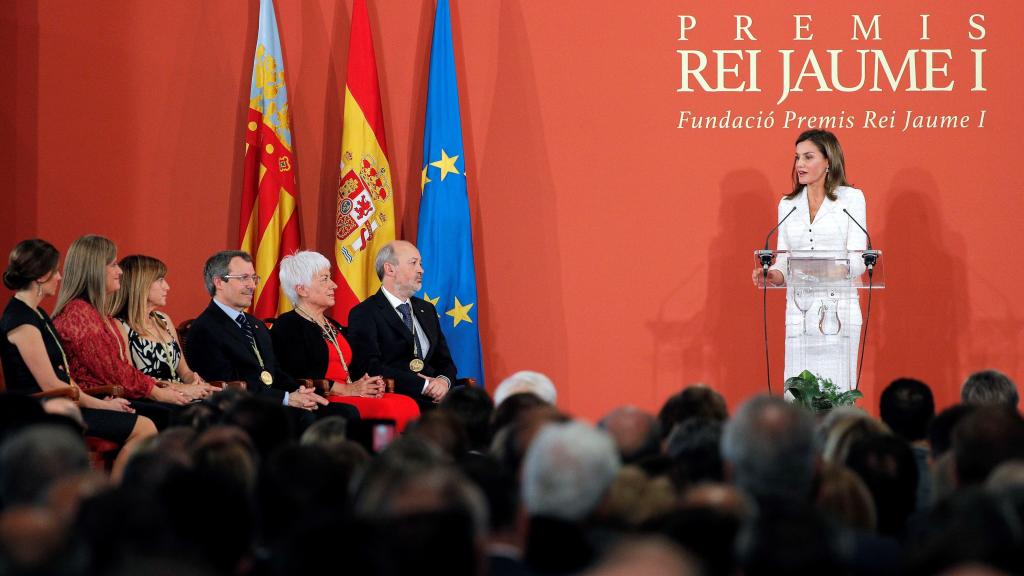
[[365, 216], [269, 228], [445, 240]]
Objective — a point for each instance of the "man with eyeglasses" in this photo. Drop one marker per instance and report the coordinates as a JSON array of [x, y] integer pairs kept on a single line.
[[225, 343]]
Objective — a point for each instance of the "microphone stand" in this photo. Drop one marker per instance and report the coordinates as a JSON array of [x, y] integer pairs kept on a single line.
[[766, 256], [870, 259]]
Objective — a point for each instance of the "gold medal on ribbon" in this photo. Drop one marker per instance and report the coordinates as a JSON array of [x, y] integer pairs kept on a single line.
[[416, 365], [266, 378]]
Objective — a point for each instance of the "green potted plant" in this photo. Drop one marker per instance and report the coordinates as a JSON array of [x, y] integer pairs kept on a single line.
[[819, 394]]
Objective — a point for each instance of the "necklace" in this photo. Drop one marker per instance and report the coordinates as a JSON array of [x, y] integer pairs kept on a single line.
[[56, 340], [165, 350], [330, 333], [108, 321]]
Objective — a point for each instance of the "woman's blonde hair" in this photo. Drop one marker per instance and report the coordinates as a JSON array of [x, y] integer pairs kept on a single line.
[[130, 302], [85, 273]]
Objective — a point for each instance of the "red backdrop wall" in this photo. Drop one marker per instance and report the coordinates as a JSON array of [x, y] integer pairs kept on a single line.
[[613, 246]]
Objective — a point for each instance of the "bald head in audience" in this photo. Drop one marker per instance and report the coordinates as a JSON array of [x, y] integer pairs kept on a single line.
[[635, 432]]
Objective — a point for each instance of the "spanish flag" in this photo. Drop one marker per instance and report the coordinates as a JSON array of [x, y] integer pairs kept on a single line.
[[269, 222], [366, 214]]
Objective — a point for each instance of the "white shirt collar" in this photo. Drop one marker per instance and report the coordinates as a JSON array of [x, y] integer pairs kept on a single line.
[[394, 300], [231, 312]]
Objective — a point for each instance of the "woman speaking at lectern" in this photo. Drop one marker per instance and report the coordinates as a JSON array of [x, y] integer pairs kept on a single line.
[[819, 223]]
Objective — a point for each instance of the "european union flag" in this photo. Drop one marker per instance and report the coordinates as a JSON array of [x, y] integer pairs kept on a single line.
[[445, 238]]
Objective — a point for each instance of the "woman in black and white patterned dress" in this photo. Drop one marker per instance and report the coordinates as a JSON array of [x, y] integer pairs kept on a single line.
[[152, 340]]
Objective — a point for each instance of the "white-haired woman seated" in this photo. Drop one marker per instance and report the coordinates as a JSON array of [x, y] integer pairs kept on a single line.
[[310, 344]]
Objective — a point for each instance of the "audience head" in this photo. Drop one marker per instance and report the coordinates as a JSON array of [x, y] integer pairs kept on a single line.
[[695, 453], [158, 459], [985, 439], [650, 556], [886, 464], [635, 498], [230, 277], [526, 381], [301, 486], [907, 407], [91, 273], [473, 407], [696, 401], [768, 447], [512, 409], [971, 527], [402, 458], [989, 388], [34, 458], [400, 268], [421, 517], [844, 497], [511, 442], [67, 408], [306, 279], [32, 263], [706, 524], [634, 431], [499, 487], [143, 288], [567, 471], [226, 452], [940, 431], [444, 430], [266, 423], [326, 431], [1007, 476], [842, 428]]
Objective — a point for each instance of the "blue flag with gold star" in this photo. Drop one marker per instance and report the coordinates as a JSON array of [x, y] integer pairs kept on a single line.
[[445, 239]]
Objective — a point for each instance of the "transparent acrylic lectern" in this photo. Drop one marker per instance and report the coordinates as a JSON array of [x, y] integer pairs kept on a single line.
[[823, 314]]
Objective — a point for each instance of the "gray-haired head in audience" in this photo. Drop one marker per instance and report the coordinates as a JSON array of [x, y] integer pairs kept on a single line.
[[568, 470], [526, 381], [989, 388], [768, 448]]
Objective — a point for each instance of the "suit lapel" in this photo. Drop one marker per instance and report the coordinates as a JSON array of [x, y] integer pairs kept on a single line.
[[391, 316], [827, 206], [232, 328]]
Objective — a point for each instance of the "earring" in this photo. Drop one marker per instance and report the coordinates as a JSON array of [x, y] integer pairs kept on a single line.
[[39, 288]]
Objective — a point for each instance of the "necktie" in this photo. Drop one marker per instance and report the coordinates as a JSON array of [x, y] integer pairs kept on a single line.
[[406, 311], [243, 323]]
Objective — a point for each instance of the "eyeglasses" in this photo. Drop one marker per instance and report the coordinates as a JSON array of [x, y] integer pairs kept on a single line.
[[243, 278]]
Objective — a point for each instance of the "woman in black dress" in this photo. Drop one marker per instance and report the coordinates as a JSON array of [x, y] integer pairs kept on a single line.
[[33, 358]]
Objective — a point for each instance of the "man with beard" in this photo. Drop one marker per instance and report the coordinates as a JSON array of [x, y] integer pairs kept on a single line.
[[225, 343], [397, 335]]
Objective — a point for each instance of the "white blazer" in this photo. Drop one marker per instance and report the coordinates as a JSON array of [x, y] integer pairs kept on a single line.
[[831, 230]]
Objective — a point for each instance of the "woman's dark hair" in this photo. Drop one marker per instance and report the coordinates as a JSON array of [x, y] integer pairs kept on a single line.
[[30, 260], [828, 145]]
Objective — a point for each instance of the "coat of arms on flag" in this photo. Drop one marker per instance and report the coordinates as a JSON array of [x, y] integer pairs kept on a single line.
[[362, 198]]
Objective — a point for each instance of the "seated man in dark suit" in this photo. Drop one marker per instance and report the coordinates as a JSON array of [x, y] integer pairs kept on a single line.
[[398, 336], [225, 343]]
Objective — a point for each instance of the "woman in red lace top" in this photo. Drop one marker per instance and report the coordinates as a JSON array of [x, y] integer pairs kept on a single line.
[[96, 350], [310, 344]]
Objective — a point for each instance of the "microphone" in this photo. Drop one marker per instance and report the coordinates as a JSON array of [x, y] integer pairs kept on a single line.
[[870, 256], [766, 254]]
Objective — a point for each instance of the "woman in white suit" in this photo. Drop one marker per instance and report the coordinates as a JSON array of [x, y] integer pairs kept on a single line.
[[820, 195]]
